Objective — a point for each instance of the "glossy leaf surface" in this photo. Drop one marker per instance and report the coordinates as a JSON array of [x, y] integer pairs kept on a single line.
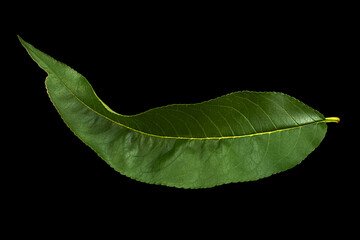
[[242, 136]]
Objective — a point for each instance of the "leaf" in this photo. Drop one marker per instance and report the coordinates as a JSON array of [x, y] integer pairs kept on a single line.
[[242, 136]]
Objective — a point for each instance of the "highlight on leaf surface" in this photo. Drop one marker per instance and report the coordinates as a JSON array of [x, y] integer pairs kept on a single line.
[[242, 136]]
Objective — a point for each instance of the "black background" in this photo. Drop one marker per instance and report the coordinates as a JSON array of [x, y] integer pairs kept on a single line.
[[137, 59]]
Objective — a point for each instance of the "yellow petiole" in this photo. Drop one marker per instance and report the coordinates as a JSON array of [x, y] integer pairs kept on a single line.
[[332, 119]]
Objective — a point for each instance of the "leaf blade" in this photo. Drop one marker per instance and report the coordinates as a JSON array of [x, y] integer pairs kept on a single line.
[[241, 136]]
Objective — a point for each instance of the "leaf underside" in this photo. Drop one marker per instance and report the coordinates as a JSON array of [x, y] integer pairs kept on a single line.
[[242, 136]]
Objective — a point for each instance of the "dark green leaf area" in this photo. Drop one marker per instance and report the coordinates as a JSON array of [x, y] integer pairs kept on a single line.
[[242, 136], [236, 114]]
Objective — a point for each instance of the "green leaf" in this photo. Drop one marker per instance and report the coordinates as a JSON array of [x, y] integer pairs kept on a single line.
[[242, 136]]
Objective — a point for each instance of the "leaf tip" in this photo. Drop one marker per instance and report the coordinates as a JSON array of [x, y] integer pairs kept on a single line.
[[20, 39], [23, 42]]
